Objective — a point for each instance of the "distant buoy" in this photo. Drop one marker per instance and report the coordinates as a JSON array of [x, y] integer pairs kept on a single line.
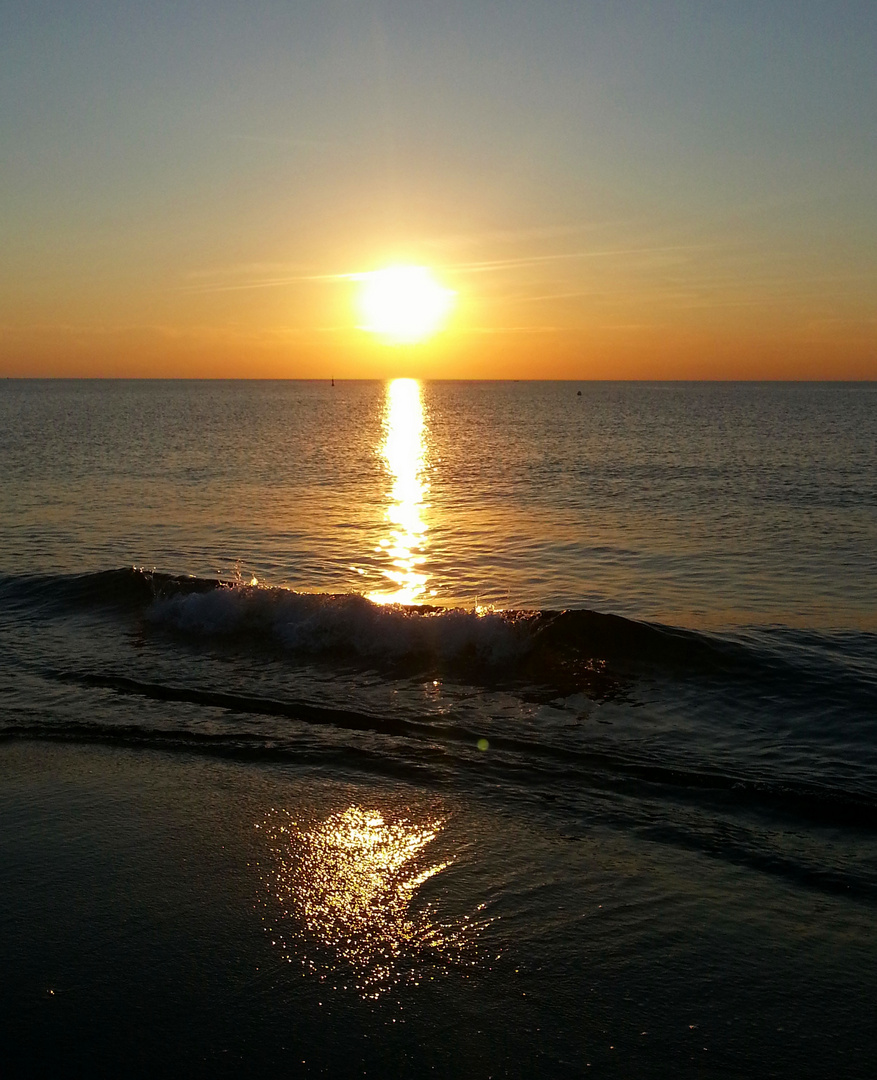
[[578, 393]]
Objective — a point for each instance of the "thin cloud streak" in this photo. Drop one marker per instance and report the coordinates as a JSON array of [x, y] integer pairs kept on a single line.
[[482, 267], [513, 236], [534, 260], [270, 283], [282, 140]]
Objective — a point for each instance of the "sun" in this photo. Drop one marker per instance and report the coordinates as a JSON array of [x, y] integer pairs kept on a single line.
[[403, 304]]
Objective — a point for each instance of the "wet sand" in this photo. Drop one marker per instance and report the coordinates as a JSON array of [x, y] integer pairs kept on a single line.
[[153, 923]]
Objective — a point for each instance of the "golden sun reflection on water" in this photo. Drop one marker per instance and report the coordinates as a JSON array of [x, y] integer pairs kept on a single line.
[[344, 889], [404, 451]]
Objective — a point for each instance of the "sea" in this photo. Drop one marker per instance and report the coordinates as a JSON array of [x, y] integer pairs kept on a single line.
[[465, 729]]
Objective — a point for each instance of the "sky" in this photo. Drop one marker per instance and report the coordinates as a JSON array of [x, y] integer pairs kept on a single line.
[[673, 190]]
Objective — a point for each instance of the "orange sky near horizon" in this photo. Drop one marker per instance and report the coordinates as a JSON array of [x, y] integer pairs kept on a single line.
[[646, 194], [151, 353]]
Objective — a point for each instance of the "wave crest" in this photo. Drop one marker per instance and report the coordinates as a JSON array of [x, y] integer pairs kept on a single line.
[[314, 623]]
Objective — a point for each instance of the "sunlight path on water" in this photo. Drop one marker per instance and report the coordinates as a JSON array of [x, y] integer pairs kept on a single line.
[[404, 452]]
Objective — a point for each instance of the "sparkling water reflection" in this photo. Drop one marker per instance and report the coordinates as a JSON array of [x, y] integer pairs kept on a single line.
[[404, 452], [344, 889]]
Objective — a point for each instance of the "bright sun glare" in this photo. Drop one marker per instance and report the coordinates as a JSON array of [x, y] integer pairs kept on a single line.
[[403, 304]]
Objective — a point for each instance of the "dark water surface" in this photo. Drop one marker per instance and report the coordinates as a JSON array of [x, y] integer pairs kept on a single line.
[[474, 729]]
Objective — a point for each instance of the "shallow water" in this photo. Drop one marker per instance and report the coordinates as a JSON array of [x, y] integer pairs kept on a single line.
[[155, 920], [502, 653]]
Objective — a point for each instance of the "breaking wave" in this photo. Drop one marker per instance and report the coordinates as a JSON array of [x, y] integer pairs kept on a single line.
[[590, 649]]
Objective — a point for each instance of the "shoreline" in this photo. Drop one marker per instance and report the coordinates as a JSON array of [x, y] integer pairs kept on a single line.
[[138, 896]]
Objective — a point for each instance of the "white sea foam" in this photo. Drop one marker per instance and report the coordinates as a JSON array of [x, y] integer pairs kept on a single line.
[[316, 623]]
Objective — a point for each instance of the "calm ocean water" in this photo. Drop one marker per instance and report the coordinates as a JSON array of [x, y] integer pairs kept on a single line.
[[632, 627]]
